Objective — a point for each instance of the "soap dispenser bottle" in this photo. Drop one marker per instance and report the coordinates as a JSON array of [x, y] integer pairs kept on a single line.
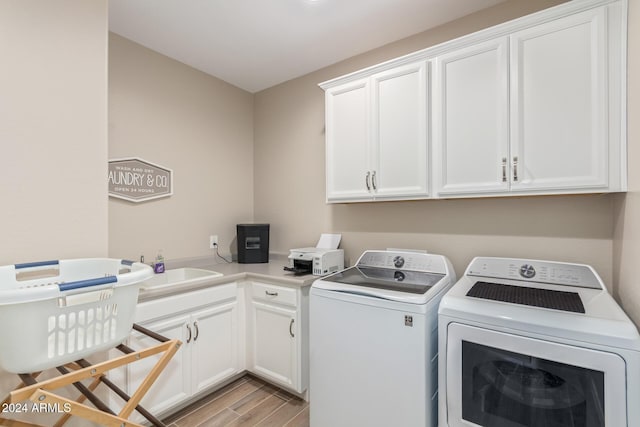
[[158, 267]]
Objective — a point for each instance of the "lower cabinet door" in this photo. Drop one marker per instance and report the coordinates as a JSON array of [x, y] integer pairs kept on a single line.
[[173, 385], [275, 338], [214, 346]]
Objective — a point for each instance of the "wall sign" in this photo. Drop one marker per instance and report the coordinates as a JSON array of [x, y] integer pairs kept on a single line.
[[137, 180]]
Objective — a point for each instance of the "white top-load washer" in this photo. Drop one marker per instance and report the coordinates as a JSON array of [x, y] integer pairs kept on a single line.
[[536, 343], [373, 341]]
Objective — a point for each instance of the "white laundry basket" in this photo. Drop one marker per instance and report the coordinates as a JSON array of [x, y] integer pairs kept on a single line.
[[55, 312]]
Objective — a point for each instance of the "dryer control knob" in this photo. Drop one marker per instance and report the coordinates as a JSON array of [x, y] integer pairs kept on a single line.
[[527, 271], [398, 261]]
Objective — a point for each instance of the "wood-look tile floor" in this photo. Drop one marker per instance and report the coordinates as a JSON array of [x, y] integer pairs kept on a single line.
[[248, 401]]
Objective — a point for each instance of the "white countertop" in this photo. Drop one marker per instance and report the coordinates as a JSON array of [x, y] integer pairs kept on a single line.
[[271, 272]]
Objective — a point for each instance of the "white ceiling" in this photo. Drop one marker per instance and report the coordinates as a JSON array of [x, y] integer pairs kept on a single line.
[[256, 44]]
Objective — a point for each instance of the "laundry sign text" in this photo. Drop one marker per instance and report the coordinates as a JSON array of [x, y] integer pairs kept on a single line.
[[138, 180]]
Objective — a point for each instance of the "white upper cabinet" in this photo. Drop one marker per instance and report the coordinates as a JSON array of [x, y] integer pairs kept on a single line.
[[347, 133], [528, 113], [533, 106], [559, 104], [471, 120], [377, 136], [399, 139]]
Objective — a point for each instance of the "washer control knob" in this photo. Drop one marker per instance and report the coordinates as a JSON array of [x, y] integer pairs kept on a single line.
[[398, 276], [398, 261], [527, 271]]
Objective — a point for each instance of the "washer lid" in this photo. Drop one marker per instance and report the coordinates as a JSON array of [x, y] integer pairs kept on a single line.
[[394, 275], [397, 259], [412, 282]]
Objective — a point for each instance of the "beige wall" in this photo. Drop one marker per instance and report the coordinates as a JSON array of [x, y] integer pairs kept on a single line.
[[155, 101], [53, 133], [290, 183], [627, 207], [53, 129], [200, 127]]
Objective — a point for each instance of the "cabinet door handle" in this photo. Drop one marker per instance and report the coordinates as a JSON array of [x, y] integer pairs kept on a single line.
[[366, 180], [189, 338], [373, 180], [271, 294], [515, 168], [195, 326], [504, 169], [290, 328]]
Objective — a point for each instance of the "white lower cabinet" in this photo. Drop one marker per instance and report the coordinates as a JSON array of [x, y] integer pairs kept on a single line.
[[173, 385], [274, 342], [278, 333], [220, 327], [214, 355], [206, 322]]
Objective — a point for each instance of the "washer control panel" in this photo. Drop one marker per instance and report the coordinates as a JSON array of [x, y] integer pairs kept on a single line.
[[398, 261], [414, 261], [558, 273]]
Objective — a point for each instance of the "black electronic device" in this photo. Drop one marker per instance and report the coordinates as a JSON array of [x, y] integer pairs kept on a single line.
[[253, 243]]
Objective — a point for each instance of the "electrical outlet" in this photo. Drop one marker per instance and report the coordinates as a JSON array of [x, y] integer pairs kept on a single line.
[[213, 241]]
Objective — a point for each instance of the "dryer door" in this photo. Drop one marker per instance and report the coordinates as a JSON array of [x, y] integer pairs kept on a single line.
[[503, 380]]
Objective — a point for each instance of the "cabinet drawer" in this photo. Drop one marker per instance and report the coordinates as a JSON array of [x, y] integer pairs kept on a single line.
[[275, 294]]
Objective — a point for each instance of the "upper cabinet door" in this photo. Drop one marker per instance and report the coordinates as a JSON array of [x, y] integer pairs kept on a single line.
[[347, 139], [399, 141], [471, 120], [559, 136]]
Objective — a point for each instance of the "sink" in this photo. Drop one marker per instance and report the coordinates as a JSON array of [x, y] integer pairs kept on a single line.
[[179, 276]]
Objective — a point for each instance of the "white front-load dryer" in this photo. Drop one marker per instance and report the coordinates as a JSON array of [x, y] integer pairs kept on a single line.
[[536, 344]]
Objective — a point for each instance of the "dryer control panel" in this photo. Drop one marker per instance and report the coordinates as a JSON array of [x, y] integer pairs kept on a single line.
[[557, 273]]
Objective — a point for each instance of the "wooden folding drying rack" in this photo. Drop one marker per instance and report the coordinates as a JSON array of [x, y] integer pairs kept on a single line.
[[73, 373]]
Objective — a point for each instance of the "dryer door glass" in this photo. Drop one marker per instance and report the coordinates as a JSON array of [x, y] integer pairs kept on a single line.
[[507, 389]]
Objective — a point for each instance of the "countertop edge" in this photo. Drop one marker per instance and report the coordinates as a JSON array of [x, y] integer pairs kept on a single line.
[[298, 282]]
